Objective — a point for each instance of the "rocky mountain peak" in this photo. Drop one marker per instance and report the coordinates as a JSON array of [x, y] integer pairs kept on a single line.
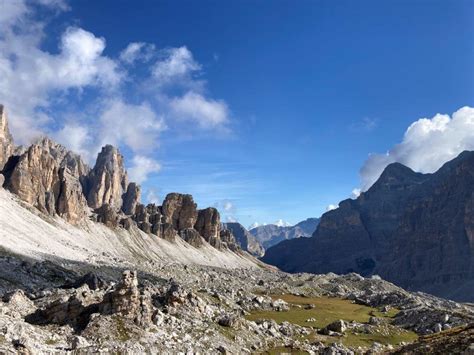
[[397, 175], [416, 230], [6, 139], [245, 239], [49, 176], [108, 181]]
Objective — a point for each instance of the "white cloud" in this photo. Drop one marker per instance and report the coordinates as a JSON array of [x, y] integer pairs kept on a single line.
[[228, 206], [77, 138], [231, 219], [29, 76], [176, 64], [207, 113], [37, 86], [331, 207], [11, 11], [282, 223], [137, 51], [142, 167], [254, 225], [136, 126], [152, 197], [427, 144], [355, 193]]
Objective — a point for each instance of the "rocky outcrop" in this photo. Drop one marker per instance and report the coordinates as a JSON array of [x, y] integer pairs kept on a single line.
[[180, 211], [6, 140], [131, 199], [57, 182], [179, 217], [108, 181], [208, 224], [270, 234], [49, 177], [244, 239], [416, 230]]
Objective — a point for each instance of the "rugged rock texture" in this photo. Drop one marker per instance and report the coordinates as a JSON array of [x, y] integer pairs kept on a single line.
[[57, 182], [416, 230], [49, 177], [180, 211], [208, 224], [271, 234], [6, 140], [244, 239], [108, 181], [175, 308], [131, 199], [179, 216]]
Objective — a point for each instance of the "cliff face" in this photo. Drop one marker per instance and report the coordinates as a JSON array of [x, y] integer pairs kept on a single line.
[[416, 230], [58, 182], [245, 240], [49, 177], [6, 139]]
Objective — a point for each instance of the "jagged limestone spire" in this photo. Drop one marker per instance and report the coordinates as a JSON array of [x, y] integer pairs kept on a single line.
[[6, 139]]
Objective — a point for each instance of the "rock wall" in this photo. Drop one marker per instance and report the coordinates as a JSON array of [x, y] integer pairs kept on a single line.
[[6, 140], [245, 240], [416, 230], [49, 177]]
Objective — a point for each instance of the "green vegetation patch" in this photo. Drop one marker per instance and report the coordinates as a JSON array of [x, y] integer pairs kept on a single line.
[[325, 310]]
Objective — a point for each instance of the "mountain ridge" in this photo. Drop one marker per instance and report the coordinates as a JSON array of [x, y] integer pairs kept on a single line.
[[416, 230], [272, 234], [57, 182]]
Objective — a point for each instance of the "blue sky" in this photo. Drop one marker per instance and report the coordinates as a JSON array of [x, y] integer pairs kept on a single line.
[[266, 109]]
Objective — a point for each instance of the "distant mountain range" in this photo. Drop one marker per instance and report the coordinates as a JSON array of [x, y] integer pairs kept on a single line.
[[415, 230], [271, 234], [245, 240]]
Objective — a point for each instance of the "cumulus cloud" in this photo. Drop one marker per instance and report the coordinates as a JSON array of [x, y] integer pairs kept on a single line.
[[136, 126], [142, 167], [427, 144], [207, 113], [355, 193], [228, 206], [137, 51], [331, 207], [176, 64], [77, 79], [30, 76], [77, 138], [231, 219], [152, 197]]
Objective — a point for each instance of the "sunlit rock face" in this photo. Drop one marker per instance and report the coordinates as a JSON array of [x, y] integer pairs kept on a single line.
[[57, 182], [48, 176], [416, 230], [107, 182], [6, 140]]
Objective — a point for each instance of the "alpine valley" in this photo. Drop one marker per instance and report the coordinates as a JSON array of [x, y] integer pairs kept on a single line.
[[86, 267]]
